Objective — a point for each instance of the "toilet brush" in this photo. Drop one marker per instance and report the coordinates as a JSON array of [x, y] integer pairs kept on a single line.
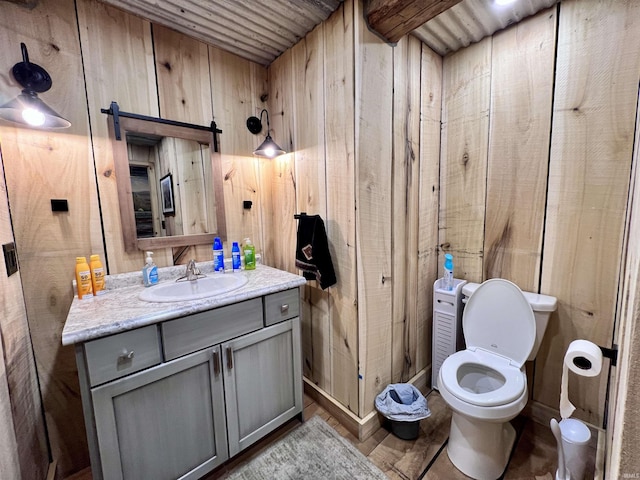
[[561, 473]]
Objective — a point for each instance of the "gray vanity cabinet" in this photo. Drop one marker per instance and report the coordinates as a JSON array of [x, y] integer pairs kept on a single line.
[[262, 375], [166, 422], [177, 399]]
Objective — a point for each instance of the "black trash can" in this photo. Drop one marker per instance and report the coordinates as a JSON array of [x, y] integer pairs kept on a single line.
[[404, 406]]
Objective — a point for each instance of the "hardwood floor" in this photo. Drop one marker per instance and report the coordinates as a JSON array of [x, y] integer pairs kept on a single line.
[[534, 457]]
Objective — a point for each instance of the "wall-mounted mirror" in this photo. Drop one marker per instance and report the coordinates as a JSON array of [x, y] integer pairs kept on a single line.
[[169, 179]]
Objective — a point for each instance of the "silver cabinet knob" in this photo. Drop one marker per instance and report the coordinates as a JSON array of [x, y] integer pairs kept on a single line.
[[126, 355], [284, 308]]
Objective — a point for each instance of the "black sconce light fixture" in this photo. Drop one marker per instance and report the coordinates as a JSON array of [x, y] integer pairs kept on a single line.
[[27, 108], [268, 148]]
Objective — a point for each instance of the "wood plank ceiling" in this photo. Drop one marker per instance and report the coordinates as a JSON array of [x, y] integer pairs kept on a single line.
[[260, 30]]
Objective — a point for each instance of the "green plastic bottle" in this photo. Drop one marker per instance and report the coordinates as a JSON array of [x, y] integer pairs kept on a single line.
[[249, 255]]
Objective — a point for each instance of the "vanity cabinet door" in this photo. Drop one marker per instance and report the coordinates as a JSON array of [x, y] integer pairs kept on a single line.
[[263, 382], [166, 422]]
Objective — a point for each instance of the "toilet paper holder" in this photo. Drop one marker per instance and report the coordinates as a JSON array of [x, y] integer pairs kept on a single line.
[[610, 353]]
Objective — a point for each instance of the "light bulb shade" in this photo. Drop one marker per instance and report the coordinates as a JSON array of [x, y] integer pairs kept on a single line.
[[269, 149], [28, 109]]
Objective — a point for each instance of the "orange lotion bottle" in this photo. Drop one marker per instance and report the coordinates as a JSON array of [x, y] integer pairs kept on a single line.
[[83, 277], [97, 275]]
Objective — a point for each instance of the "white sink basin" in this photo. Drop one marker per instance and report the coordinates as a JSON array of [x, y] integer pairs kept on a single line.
[[185, 290]]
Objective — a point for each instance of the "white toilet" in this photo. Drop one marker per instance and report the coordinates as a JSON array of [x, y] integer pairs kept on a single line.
[[486, 384]]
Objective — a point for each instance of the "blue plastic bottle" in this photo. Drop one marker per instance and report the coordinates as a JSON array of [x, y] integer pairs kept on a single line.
[[149, 272], [218, 255], [235, 257], [448, 272]]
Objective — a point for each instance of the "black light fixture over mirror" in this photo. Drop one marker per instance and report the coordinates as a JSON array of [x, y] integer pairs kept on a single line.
[[27, 108], [268, 148]]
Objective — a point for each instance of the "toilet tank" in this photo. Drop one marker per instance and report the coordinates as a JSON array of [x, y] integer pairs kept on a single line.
[[542, 306]]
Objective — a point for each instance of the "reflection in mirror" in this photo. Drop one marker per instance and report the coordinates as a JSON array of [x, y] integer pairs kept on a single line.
[[169, 182], [171, 185]]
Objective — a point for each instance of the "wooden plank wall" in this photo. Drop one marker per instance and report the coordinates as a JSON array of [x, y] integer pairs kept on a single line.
[[430, 131], [23, 447], [597, 76], [114, 44], [466, 82], [279, 173], [116, 51], [239, 90], [622, 437], [39, 166], [184, 93], [364, 146], [521, 96], [311, 192], [366, 172], [312, 101], [9, 450], [405, 171], [374, 76], [543, 202], [340, 164]]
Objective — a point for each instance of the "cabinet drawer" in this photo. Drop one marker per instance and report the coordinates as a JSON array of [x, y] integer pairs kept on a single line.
[[121, 354], [445, 303], [201, 330], [281, 306]]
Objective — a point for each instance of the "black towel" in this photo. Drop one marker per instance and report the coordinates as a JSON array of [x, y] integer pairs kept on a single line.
[[312, 251]]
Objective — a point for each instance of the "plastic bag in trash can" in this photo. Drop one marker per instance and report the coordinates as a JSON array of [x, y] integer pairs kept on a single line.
[[402, 402]]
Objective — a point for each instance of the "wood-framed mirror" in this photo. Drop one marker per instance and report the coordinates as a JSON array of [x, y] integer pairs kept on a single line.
[[169, 181]]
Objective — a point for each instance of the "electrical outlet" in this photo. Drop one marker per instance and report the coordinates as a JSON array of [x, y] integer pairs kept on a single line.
[[59, 205], [10, 258]]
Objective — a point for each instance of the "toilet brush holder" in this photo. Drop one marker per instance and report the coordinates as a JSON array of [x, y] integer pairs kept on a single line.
[[575, 443], [573, 438]]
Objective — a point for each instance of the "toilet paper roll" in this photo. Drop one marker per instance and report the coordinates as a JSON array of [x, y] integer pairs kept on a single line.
[[583, 358]]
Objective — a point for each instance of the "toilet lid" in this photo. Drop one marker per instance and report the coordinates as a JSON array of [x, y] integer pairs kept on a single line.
[[499, 319]]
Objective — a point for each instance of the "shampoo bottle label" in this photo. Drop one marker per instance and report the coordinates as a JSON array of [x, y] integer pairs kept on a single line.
[[98, 280], [84, 287]]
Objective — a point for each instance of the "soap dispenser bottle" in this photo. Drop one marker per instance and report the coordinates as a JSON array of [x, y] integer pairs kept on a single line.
[[150, 272], [249, 255]]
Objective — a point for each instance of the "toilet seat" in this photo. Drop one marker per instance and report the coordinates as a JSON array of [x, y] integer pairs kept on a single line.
[[514, 378]]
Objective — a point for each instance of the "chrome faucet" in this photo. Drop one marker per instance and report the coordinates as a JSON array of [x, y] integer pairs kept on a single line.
[[192, 273]]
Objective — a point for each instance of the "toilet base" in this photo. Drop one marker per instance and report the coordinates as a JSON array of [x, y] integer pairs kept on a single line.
[[480, 449]]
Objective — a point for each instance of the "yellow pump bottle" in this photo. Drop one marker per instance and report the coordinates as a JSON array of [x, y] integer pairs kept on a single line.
[[83, 277], [97, 275]]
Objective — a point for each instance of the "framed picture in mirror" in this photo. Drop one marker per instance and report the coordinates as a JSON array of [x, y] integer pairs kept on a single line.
[[166, 191]]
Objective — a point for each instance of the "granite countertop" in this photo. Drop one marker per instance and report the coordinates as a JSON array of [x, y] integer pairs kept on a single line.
[[119, 308]]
